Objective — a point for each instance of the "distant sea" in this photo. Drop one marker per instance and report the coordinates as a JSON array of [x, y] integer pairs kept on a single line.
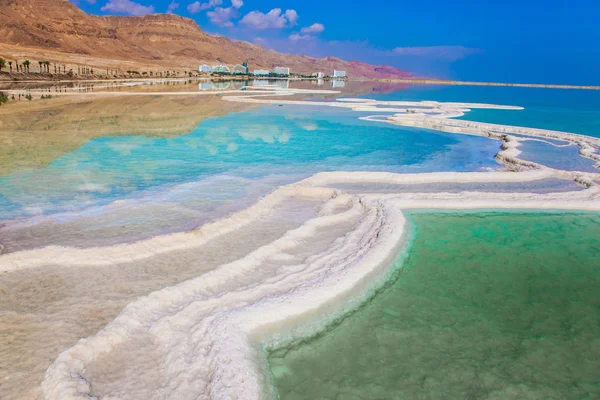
[[576, 111]]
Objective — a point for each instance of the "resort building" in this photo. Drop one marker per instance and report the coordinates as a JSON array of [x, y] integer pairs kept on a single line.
[[240, 69], [339, 74], [221, 69], [206, 68], [261, 72], [320, 75], [282, 71]]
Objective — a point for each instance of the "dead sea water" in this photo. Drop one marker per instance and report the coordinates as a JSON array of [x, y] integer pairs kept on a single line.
[[485, 306]]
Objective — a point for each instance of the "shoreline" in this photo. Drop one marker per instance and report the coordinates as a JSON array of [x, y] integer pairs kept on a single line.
[[418, 81]]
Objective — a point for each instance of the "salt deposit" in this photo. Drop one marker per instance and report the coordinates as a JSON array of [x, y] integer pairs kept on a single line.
[[204, 337]]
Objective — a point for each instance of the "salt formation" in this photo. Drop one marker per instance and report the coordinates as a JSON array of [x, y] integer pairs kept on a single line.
[[206, 333], [204, 338]]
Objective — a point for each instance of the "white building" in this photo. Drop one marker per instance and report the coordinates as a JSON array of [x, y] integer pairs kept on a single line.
[[282, 71], [206, 68], [339, 74], [261, 72], [320, 75], [240, 69], [221, 69]]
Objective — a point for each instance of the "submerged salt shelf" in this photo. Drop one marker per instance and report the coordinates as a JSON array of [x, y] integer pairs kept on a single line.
[[158, 212], [468, 316], [188, 315]]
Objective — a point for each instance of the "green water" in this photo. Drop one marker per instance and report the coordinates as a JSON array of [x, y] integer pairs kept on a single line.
[[486, 306]]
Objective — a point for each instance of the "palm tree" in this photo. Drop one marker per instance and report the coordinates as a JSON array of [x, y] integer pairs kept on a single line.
[[47, 64], [2, 63], [10, 66], [26, 64]]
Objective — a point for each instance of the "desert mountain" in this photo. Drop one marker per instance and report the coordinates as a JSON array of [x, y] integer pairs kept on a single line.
[[61, 32]]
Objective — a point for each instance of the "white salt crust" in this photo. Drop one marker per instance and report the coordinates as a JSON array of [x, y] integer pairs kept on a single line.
[[209, 332]]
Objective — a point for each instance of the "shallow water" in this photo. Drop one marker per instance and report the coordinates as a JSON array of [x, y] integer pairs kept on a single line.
[[564, 157], [123, 188], [119, 170], [486, 306], [250, 145]]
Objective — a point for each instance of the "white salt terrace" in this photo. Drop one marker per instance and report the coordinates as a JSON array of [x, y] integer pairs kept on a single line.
[[270, 274]]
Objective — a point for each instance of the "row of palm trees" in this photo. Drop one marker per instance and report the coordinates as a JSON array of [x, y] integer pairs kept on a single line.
[[44, 66], [25, 66]]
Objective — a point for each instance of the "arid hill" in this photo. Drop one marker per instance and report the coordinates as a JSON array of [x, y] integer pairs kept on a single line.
[[58, 31]]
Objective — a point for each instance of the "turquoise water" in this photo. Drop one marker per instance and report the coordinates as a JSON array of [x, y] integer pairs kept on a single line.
[[295, 142], [566, 158], [576, 111], [486, 306], [228, 162]]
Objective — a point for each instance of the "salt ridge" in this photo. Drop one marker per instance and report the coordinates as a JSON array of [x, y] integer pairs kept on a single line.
[[210, 330]]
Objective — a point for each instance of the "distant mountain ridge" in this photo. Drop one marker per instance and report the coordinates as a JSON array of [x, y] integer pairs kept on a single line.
[[158, 40]]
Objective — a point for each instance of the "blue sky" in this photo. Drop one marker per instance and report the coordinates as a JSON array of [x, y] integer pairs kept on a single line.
[[545, 41]]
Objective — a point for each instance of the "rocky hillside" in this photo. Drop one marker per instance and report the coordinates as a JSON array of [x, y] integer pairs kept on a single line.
[[60, 31]]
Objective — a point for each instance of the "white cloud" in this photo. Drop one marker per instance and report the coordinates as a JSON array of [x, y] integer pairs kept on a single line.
[[292, 16], [274, 19], [237, 3], [127, 7], [314, 28], [196, 6], [223, 16], [307, 32], [172, 7], [297, 36]]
